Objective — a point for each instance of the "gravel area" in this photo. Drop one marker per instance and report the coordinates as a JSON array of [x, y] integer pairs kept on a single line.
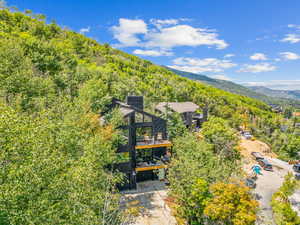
[[149, 199]]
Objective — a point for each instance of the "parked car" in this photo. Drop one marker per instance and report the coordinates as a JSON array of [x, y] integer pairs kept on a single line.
[[250, 182], [247, 135], [265, 165], [257, 156], [256, 169], [296, 170]]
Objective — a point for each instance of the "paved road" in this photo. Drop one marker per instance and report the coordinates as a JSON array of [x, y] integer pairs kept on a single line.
[[267, 185], [269, 182]]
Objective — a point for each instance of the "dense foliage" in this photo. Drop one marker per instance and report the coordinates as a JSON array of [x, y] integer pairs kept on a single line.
[[283, 136], [200, 161], [54, 153], [221, 136], [283, 98], [231, 204], [283, 212], [52, 171]]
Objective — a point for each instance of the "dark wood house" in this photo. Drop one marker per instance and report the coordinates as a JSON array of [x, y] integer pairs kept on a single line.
[[188, 111], [146, 143]]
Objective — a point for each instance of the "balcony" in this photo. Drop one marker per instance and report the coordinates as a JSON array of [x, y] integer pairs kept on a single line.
[[151, 142], [152, 165]]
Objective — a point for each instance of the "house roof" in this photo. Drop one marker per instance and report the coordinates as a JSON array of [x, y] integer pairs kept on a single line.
[[125, 111], [296, 113], [180, 107]]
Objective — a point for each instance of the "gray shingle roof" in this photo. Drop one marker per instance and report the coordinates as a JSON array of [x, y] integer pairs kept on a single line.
[[180, 107], [126, 111]]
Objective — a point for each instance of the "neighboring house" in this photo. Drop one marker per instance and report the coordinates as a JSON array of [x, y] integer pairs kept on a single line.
[[296, 114], [284, 128], [276, 108], [145, 151], [188, 111]]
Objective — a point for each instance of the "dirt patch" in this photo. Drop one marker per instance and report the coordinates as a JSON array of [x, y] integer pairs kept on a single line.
[[248, 146]]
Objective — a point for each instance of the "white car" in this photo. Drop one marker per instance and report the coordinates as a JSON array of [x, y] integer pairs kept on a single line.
[[247, 135]]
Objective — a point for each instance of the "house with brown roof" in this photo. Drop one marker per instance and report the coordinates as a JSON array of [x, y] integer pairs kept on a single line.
[[296, 114]]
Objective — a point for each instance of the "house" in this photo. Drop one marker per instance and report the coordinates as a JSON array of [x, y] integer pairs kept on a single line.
[[146, 149], [188, 111], [296, 114], [276, 108]]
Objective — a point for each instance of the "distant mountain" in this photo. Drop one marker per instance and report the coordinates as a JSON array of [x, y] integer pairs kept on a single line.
[[276, 93], [239, 89]]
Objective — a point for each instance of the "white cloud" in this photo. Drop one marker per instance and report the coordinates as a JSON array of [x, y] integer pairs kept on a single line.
[[229, 55], [289, 55], [277, 84], [152, 52], [84, 30], [160, 23], [196, 65], [184, 35], [164, 34], [191, 69], [3, 3], [258, 56], [294, 26], [262, 38], [127, 31], [257, 68], [221, 77], [291, 38]]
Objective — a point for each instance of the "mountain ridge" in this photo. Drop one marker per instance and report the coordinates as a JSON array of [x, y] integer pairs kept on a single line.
[[237, 88], [289, 94]]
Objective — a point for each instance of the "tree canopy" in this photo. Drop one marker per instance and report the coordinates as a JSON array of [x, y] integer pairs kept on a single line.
[[55, 154]]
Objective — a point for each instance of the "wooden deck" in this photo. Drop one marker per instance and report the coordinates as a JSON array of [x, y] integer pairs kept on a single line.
[[139, 169], [153, 144]]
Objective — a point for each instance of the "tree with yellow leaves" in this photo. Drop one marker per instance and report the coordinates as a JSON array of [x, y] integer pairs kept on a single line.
[[231, 205]]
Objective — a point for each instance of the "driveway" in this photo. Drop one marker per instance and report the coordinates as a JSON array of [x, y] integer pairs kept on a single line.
[[267, 185]]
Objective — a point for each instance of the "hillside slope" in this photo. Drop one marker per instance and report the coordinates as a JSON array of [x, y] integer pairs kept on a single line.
[[60, 63], [276, 93], [54, 154], [242, 90]]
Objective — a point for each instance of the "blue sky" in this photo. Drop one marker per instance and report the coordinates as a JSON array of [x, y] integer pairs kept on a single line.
[[253, 42]]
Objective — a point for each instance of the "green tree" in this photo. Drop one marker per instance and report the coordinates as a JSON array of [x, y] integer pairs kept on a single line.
[[223, 138], [288, 112], [194, 166], [283, 212], [175, 125], [291, 147], [231, 204], [53, 172]]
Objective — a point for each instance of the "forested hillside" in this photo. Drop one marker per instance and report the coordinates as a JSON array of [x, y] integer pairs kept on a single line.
[[54, 154], [284, 98], [277, 93]]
